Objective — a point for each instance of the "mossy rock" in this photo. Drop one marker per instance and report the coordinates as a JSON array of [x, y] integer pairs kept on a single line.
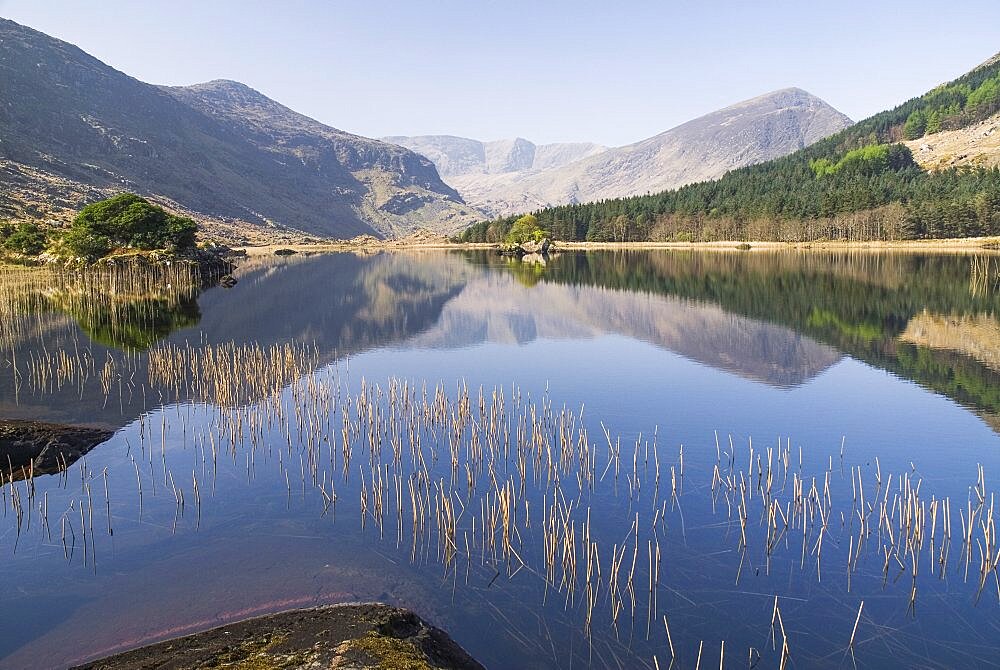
[[354, 636]]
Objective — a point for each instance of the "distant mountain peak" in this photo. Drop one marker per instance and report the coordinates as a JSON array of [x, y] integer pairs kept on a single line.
[[460, 156], [791, 97], [512, 176]]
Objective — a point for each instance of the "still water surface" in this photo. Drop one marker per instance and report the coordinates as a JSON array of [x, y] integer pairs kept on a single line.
[[830, 361]]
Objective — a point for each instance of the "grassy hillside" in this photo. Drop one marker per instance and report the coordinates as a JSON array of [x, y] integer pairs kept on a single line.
[[860, 183]]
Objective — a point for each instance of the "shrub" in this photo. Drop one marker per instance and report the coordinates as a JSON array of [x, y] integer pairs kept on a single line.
[[126, 220], [27, 239]]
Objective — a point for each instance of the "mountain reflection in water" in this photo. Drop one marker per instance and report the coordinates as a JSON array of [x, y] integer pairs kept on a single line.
[[777, 318]]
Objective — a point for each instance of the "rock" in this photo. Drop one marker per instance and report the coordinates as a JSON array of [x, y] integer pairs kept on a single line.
[[227, 281], [210, 265], [532, 247], [36, 448], [354, 636], [285, 252], [364, 241], [529, 247]]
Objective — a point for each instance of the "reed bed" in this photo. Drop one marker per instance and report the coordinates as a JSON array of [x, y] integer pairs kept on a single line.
[[114, 301], [494, 480]]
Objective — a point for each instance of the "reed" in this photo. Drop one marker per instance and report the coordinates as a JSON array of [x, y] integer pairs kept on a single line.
[[494, 479]]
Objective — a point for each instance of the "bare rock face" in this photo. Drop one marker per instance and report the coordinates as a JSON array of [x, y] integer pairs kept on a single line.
[[219, 149], [499, 180], [461, 157]]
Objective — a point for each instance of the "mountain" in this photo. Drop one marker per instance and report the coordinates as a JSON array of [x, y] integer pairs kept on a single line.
[[861, 183], [503, 178], [73, 126], [461, 157]]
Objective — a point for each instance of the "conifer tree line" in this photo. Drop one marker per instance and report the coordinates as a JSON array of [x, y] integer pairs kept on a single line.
[[858, 184]]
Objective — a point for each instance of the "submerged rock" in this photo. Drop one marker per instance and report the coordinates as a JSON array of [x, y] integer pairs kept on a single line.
[[35, 448], [354, 636]]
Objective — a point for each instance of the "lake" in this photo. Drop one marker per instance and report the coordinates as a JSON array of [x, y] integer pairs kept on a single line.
[[614, 459]]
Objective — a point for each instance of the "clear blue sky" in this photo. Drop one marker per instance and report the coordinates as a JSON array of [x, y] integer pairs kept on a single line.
[[614, 71]]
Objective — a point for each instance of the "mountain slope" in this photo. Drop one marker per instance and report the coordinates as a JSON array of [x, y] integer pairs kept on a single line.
[[748, 132], [977, 145], [860, 183], [218, 149]]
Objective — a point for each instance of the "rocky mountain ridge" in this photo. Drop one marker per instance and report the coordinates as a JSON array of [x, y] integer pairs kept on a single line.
[[460, 156], [752, 131], [219, 149]]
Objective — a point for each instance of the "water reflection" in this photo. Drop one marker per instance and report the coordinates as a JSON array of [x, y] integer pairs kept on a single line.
[[223, 504], [778, 318], [126, 308], [498, 309], [874, 307], [341, 304]]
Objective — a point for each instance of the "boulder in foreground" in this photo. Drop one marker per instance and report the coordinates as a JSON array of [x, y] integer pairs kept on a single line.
[[353, 636]]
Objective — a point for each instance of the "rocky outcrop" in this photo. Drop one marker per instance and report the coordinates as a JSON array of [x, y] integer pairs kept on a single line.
[[32, 448], [219, 149], [524, 249], [348, 637]]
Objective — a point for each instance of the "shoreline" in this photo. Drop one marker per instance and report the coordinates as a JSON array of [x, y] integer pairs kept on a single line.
[[988, 245], [954, 245]]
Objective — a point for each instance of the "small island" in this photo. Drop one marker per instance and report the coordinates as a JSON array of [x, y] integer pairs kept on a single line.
[[121, 230]]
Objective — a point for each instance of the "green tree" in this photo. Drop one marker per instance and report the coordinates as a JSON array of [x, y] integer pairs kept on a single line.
[[27, 239], [127, 221], [526, 228], [985, 98], [933, 123], [915, 125]]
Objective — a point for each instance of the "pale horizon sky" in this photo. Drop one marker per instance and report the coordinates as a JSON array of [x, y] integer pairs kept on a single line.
[[606, 72]]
